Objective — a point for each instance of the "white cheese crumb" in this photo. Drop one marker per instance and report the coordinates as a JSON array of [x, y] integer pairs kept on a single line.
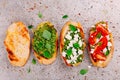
[[93, 26], [92, 51], [80, 52], [68, 37], [104, 50], [109, 44], [89, 67], [74, 50], [80, 43], [63, 54], [78, 30], [104, 25]]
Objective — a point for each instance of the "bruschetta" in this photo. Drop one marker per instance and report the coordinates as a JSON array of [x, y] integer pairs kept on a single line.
[[45, 43], [72, 43], [17, 43], [101, 45]]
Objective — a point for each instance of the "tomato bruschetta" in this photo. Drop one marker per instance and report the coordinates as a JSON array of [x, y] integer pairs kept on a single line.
[[72, 43], [101, 45], [45, 43]]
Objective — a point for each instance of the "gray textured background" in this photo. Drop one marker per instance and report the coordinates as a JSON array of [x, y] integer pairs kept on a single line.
[[87, 12]]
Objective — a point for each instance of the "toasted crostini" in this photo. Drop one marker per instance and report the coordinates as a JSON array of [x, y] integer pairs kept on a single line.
[[101, 45], [17, 43], [72, 43], [45, 43]]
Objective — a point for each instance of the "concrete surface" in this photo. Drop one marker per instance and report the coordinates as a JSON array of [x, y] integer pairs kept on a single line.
[[87, 12]]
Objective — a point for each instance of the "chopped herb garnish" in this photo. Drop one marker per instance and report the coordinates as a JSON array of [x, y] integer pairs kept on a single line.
[[33, 61], [46, 34], [72, 27], [39, 15], [98, 35], [30, 26], [69, 52], [107, 52], [83, 71], [46, 54], [28, 70], [76, 45], [65, 16], [99, 43]]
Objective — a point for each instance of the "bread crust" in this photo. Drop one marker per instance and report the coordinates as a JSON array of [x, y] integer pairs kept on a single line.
[[43, 60], [17, 44], [62, 35], [108, 58]]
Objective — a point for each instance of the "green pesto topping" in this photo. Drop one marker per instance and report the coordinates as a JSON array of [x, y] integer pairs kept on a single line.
[[44, 40]]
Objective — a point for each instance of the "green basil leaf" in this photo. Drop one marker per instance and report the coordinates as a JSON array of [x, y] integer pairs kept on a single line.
[[33, 61], [69, 52], [30, 26], [83, 71], [46, 34], [72, 27], [65, 16], [98, 35], [39, 15], [46, 54], [76, 45]]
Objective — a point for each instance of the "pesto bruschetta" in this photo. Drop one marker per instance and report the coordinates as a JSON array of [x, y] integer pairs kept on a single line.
[[101, 45], [72, 43], [45, 43], [17, 43]]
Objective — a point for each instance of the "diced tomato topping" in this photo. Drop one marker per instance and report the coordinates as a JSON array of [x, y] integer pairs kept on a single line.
[[101, 29], [92, 38], [100, 56]]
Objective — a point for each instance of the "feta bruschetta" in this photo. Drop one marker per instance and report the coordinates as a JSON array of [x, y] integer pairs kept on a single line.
[[100, 44], [17, 43], [45, 43], [72, 43]]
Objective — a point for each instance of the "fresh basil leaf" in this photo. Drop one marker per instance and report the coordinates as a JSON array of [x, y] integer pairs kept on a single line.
[[72, 27], [30, 26], [39, 15], [33, 61], [47, 55], [99, 43], [28, 70], [69, 52], [98, 35], [83, 71], [65, 16], [46, 34], [76, 45]]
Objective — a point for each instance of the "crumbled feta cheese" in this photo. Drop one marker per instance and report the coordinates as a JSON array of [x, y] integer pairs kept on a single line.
[[74, 50], [73, 58], [76, 36], [104, 50], [109, 44], [108, 37], [63, 54], [104, 25], [68, 37], [80, 43], [93, 26], [78, 30], [92, 51], [97, 40], [80, 52], [69, 61], [75, 39]]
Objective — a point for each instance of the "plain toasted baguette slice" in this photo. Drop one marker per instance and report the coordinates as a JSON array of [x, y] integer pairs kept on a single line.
[[43, 60], [109, 57], [17, 43], [62, 35]]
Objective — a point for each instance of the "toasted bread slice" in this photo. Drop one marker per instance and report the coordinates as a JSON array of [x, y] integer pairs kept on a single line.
[[42, 59], [17, 43], [64, 31], [108, 57]]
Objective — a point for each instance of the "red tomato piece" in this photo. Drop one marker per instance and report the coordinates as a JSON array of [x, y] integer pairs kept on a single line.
[[92, 38]]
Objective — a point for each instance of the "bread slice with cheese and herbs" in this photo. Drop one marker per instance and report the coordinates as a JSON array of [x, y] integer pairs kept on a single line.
[[17, 43], [101, 45], [72, 43], [45, 43]]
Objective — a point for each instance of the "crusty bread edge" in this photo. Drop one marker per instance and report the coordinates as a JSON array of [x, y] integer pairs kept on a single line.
[[45, 61], [62, 34]]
